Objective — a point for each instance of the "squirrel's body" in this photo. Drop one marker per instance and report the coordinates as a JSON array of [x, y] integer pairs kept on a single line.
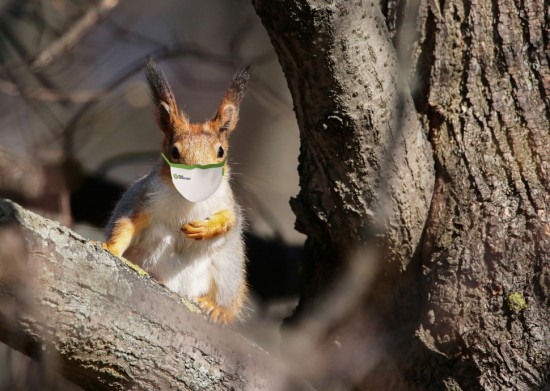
[[194, 248]]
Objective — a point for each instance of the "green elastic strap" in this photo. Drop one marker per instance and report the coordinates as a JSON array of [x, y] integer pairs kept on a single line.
[[192, 166]]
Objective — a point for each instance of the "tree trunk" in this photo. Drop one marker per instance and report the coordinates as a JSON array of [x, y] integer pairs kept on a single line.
[[470, 309], [366, 168], [80, 311], [486, 280]]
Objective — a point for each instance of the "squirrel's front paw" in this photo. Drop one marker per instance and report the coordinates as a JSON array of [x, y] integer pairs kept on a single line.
[[198, 230], [131, 265], [218, 224]]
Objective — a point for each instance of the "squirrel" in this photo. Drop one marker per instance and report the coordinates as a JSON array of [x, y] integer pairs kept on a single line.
[[195, 249]]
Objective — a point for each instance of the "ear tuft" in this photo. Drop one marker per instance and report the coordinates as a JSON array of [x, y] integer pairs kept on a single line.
[[158, 84], [163, 98], [228, 112], [237, 88]]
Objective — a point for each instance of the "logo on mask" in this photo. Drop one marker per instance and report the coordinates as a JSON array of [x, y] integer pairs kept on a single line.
[[196, 182]]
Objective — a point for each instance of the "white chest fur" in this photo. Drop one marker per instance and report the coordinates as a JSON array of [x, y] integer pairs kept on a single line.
[[163, 250]]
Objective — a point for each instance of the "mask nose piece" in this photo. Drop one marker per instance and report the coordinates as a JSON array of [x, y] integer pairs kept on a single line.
[[196, 182]]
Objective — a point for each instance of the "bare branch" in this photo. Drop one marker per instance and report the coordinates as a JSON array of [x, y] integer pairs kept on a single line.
[[50, 95], [68, 40], [19, 177]]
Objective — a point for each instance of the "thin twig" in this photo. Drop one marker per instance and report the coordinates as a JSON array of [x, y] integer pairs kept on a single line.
[[68, 40], [50, 95]]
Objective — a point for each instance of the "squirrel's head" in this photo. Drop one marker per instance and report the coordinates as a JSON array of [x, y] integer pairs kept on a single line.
[[195, 143]]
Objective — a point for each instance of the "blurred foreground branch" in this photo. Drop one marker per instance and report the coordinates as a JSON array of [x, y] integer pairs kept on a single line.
[[72, 305]]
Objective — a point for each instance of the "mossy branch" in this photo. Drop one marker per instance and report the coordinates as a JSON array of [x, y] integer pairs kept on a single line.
[[103, 326]]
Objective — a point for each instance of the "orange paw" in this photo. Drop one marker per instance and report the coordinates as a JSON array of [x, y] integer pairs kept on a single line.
[[198, 230], [216, 313], [131, 265], [110, 248], [218, 224]]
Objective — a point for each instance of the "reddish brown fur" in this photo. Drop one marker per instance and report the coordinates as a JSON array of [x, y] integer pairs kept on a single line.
[[208, 304], [197, 143], [124, 230]]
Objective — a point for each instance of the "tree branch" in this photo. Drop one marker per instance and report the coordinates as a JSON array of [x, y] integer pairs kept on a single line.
[[102, 325], [50, 95], [75, 32]]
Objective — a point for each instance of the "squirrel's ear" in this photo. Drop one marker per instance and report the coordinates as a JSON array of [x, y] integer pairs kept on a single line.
[[228, 114], [165, 103]]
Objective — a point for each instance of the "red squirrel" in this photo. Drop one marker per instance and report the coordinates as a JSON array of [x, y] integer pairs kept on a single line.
[[195, 248]]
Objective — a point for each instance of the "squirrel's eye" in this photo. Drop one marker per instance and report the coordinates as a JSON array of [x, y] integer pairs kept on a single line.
[[175, 153], [220, 152]]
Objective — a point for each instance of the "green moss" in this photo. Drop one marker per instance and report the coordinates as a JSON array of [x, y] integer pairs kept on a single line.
[[516, 302], [134, 267], [190, 306]]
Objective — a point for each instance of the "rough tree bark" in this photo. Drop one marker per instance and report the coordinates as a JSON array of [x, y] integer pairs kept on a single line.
[[477, 292], [366, 168], [81, 311], [486, 280], [366, 173]]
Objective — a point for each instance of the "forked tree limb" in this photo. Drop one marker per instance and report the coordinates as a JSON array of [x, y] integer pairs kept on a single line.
[[366, 167], [105, 327]]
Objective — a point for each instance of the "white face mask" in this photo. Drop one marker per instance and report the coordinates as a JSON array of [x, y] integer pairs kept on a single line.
[[197, 182]]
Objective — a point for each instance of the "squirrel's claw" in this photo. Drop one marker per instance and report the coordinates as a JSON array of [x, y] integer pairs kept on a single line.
[[214, 312], [128, 263], [197, 230], [215, 225]]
